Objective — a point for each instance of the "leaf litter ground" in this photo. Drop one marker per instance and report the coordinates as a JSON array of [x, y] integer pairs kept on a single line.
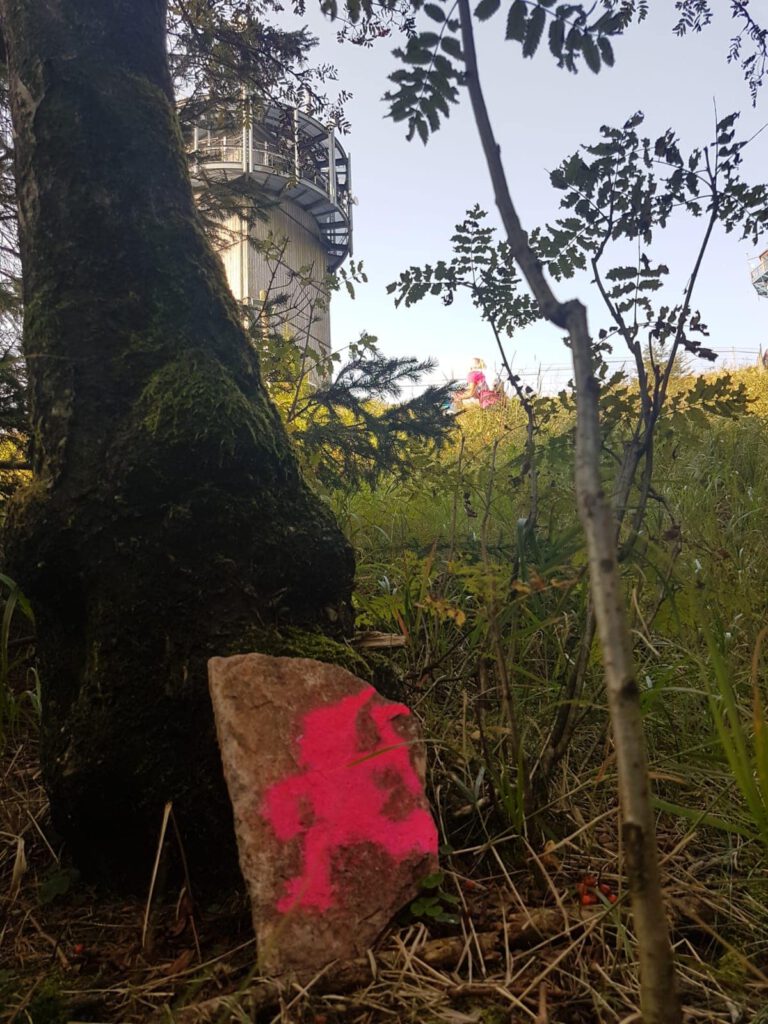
[[523, 947]]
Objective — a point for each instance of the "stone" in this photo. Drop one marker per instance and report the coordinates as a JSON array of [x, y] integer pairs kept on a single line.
[[326, 779]]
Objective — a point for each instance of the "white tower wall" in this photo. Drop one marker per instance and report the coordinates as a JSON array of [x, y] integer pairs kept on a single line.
[[252, 274], [299, 163]]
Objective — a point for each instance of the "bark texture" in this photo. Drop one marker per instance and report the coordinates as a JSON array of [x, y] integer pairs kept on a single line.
[[167, 521]]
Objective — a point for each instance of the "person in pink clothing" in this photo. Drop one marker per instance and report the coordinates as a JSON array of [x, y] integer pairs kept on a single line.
[[477, 392]]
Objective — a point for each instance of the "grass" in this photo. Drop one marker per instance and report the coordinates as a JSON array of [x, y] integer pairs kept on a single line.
[[492, 620], [79, 957], [15, 653]]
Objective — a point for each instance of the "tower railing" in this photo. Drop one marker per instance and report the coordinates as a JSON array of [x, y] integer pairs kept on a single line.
[[264, 158], [760, 275], [288, 153]]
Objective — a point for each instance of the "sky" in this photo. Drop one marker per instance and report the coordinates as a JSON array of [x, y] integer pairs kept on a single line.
[[409, 197]]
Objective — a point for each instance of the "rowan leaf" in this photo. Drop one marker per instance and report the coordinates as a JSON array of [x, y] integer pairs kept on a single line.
[[452, 46], [606, 51], [591, 54], [556, 37], [533, 31], [516, 20], [486, 8], [434, 12]]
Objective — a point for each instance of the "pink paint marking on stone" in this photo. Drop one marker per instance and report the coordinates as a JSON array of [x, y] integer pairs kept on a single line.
[[355, 766]]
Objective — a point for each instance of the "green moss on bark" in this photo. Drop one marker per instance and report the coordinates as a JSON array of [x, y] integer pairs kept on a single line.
[[295, 643], [168, 519], [194, 400]]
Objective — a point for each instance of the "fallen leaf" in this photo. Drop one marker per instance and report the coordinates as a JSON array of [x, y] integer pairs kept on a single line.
[[181, 963], [548, 857]]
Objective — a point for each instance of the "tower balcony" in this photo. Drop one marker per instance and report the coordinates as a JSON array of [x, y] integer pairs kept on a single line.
[[290, 155], [760, 275]]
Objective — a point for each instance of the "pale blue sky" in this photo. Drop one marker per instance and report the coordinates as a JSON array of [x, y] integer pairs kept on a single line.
[[410, 196]]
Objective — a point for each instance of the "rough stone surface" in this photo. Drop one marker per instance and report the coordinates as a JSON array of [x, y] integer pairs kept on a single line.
[[326, 779]]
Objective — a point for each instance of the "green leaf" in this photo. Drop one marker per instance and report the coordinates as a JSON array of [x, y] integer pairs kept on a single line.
[[591, 54], [423, 129], [606, 51], [573, 40], [434, 12], [417, 55], [534, 31], [428, 106], [452, 46], [441, 104], [58, 883], [702, 817], [443, 68], [626, 273], [556, 37], [433, 881], [516, 20], [399, 113], [486, 8], [18, 598]]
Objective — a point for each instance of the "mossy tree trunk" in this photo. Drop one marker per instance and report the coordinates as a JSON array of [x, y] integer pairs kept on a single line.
[[167, 520]]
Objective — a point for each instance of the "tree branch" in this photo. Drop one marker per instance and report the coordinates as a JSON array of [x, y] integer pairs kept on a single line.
[[659, 1001]]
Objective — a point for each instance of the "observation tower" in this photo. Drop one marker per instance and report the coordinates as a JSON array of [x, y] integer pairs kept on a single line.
[[299, 164], [759, 274]]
